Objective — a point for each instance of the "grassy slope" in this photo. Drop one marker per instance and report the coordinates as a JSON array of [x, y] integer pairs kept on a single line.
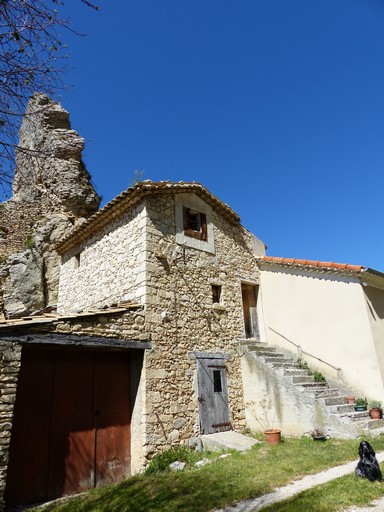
[[226, 481]]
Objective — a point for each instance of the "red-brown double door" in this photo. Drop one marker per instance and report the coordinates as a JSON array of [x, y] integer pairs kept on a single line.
[[71, 427]]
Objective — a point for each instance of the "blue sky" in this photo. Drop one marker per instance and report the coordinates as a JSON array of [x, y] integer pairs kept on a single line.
[[276, 106]]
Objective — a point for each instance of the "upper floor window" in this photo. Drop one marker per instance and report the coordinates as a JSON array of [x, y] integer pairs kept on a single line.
[[195, 224]]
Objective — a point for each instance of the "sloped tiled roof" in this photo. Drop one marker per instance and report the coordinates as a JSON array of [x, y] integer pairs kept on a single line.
[[130, 198], [312, 263], [366, 275]]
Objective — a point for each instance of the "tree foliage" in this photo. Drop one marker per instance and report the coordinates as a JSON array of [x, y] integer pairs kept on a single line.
[[32, 55]]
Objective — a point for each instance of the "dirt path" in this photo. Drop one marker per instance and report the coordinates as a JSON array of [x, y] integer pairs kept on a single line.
[[283, 493]]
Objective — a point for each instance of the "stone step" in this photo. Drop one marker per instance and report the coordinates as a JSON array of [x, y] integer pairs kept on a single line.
[[315, 385], [285, 363], [266, 353], [376, 431], [303, 379], [375, 424], [228, 440], [253, 347], [343, 408], [335, 400], [295, 371], [357, 415], [277, 359], [253, 341], [326, 393]]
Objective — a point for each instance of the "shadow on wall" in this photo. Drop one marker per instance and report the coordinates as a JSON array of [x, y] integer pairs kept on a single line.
[[375, 302]]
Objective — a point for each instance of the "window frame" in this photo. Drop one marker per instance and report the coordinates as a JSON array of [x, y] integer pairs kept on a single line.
[[193, 219]]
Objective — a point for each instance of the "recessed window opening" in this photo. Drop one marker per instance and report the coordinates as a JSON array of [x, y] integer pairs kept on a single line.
[[195, 224], [77, 259], [216, 293], [217, 387]]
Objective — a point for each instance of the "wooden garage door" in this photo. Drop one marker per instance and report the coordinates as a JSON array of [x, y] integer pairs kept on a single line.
[[71, 428]]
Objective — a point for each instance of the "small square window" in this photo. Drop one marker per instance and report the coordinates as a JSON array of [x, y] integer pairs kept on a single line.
[[216, 293], [195, 224]]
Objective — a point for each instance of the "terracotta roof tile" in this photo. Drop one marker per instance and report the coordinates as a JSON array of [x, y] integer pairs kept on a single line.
[[130, 198], [312, 263]]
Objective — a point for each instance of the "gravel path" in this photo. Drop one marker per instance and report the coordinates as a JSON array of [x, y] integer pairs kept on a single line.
[[283, 493]]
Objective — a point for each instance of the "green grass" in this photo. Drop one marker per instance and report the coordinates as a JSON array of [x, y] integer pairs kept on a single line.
[[227, 481], [334, 496]]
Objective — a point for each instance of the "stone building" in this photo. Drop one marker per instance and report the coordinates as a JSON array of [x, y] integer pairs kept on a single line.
[[156, 291], [150, 322], [161, 293]]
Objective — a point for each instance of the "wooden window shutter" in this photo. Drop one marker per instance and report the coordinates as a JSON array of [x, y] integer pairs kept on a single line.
[[186, 218], [204, 230]]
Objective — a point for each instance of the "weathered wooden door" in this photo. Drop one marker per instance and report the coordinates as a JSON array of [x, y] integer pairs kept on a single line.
[[249, 294], [213, 395], [111, 418], [71, 427]]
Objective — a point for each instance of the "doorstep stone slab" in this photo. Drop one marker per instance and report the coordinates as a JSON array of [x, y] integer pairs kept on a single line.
[[228, 440]]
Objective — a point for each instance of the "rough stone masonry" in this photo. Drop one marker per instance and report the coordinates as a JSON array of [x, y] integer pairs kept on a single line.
[[52, 191]]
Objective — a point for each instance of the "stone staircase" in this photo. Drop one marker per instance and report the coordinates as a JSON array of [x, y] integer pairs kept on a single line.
[[339, 417]]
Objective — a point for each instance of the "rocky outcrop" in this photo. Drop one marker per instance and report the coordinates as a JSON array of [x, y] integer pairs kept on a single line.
[[49, 167], [52, 191]]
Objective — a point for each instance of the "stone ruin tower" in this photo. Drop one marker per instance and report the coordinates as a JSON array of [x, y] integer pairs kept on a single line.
[[52, 191]]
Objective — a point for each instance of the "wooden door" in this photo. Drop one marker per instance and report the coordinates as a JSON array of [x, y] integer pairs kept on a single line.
[[112, 418], [72, 436], [28, 472], [71, 427], [249, 295], [213, 395]]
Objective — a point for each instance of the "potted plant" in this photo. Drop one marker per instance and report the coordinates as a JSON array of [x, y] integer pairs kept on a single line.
[[375, 410], [272, 435], [350, 399], [318, 435], [361, 404]]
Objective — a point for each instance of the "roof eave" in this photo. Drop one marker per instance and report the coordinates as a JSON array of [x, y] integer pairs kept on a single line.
[[133, 196]]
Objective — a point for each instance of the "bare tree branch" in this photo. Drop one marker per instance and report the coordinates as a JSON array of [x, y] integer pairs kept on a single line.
[[32, 58]]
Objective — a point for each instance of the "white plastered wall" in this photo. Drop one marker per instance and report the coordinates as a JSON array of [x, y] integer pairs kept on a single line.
[[327, 316]]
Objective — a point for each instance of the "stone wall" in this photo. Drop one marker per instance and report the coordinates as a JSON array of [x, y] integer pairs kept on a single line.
[[129, 326], [51, 192], [107, 268], [138, 257], [10, 355], [183, 320]]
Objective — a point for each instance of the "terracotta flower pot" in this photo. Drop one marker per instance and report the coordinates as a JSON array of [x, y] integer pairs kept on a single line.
[[350, 399], [375, 414], [273, 436]]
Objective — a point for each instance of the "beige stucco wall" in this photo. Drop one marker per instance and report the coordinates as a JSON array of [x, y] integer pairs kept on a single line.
[[327, 315], [274, 402], [374, 299]]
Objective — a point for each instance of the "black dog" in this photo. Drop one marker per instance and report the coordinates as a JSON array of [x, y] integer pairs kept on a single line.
[[368, 466]]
